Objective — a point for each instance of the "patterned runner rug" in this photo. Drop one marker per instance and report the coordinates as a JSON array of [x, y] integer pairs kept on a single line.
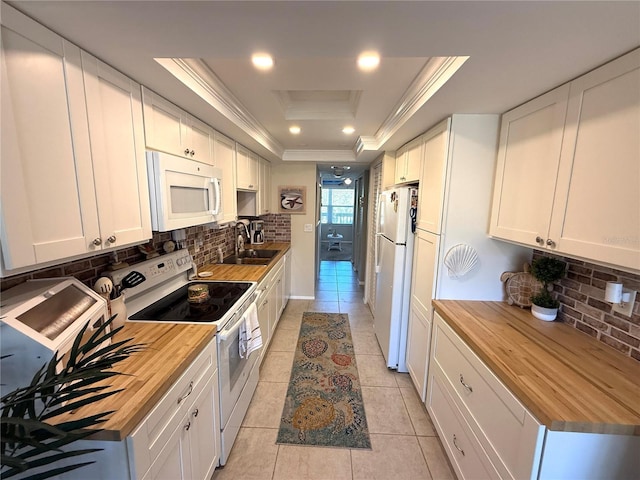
[[324, 400]]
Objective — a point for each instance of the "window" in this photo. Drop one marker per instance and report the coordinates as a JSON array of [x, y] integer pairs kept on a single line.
[[337, 206]]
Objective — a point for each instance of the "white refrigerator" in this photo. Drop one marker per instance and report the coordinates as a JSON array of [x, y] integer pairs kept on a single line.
[[393, 260]]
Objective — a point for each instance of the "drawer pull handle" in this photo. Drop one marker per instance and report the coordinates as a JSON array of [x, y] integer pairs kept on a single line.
[[467, 387], [455, 444], [188, 426], [186, 394], [195, 412]]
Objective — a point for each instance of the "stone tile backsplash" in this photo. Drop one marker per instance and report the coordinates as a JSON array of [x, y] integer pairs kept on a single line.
[[202, 242], [582, 305]]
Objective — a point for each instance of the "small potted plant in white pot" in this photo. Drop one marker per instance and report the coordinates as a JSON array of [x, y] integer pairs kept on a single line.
[[546, 270]]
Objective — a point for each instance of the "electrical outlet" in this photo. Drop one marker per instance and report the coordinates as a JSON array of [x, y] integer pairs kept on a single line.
[[308, 227], [627, 309]]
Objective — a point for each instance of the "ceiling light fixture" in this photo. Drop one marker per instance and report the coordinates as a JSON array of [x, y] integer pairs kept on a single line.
[[368, 61], [294, 129], [348, 130], [347, 181], [262, 61]]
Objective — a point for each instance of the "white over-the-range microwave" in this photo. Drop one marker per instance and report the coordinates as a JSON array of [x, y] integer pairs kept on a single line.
[[182, 192]]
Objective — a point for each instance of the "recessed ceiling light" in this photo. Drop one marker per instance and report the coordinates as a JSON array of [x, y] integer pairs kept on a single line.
[[347, 181], [262, 61], [294, 129], [348, 130], [368, 61]]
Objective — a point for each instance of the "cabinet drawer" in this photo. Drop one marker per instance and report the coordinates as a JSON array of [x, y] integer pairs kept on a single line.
[[465, 453], [506, 430], [155, 430]]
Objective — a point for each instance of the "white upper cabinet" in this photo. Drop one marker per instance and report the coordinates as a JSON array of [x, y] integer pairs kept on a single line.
[[264, 195], [596, 211], [247, 169], [48, 212], [568, 175], [170, 129], [73, 170], [527, 167], [114, 109], [432, 179], [409, 162], [224, 153]]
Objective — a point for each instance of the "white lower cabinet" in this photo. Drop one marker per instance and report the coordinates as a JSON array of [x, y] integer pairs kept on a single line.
[[486, 431], [180, 438], [271, 301]]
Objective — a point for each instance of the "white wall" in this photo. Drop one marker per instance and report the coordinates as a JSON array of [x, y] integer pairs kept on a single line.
[[303, 245]]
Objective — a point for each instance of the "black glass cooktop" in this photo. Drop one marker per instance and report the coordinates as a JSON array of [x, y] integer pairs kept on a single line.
[[176, 308]]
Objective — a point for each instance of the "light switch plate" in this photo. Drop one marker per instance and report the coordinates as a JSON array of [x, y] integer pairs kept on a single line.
[[308, 227], [627, 309]]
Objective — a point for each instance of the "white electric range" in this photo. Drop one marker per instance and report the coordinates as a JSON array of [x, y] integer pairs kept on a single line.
[[160, 295]]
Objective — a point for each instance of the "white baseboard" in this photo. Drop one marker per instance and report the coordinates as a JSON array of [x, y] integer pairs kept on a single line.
[[301, 297]]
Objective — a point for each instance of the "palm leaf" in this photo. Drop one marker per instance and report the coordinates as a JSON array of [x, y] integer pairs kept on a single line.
[[29, 438]]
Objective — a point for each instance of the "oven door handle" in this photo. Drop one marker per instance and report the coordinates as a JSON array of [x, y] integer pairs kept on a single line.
[[231, 330]]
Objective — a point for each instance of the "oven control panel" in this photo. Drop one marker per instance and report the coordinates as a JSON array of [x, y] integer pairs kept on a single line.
[[153, 272]]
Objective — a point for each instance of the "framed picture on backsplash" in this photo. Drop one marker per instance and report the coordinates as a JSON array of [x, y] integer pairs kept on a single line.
[[292, 199]]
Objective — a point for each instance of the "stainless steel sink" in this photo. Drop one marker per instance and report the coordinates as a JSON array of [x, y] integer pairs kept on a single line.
[[252, 257]]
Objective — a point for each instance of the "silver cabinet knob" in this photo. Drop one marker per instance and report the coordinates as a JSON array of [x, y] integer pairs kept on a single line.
[[551, 243], [195, 412], [186, 152], [111, 239], [540, 240], [465, 385], [192, 153], [187, 426], [97, 241]]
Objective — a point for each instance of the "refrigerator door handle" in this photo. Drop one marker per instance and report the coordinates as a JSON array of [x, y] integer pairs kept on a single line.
[[377, 252]]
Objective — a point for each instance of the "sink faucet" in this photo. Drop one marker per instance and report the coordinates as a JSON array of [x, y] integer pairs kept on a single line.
[[240, 239]]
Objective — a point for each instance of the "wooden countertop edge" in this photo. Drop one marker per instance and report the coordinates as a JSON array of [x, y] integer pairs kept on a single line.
[[540, 339]]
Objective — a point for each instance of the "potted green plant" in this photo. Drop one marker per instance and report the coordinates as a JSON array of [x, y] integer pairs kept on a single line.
[[546, 270], [33, 439]]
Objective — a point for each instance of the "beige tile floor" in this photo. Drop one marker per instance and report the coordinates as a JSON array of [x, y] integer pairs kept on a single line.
[[405, 445]]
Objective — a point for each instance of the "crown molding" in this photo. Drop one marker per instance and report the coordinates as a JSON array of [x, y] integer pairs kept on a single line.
[[197, 76], [341, 156], [436, 72]]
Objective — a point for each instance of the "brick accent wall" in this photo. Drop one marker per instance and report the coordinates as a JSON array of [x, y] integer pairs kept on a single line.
[[202, 242], [582, 305], [277, 227]]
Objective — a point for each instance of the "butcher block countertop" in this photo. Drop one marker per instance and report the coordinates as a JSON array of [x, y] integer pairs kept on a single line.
[[170, 349], [568, 380]]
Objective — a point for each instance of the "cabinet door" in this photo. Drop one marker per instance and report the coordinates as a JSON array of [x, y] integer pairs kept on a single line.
[[401, 165], [287, 278], [48, 200], [164, 124], [114, 110], [413, 164], [173, 462], [199, 140], [205, 431], [433, 177], [265, 187], [527, 168], [425, 256], [418, 339], [224, 156], [388, 170], [263, 321], [245, 169], [273, 307], [279, 293], [596, 212]]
